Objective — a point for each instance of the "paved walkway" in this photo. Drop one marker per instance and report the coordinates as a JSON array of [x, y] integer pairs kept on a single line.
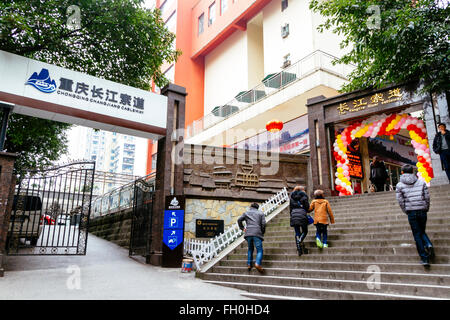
[[106, 272]]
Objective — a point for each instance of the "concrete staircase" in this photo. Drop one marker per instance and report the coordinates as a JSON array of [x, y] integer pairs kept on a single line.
[[371, 234]]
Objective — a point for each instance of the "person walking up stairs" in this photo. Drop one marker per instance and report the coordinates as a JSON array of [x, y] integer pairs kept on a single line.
[[322, 210], [298, 205]]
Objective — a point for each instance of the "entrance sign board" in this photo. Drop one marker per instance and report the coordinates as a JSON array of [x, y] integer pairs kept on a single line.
[[173, 231], [47, 91], [206, 228]]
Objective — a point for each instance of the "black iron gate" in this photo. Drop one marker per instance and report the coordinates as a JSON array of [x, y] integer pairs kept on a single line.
[[51, 208], [141, 224]]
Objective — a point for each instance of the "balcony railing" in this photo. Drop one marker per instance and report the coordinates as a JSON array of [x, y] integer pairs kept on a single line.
[[318, 60]]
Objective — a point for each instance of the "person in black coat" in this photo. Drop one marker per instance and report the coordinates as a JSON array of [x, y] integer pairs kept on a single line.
[[378, 174], [441, 146], [299, 205]]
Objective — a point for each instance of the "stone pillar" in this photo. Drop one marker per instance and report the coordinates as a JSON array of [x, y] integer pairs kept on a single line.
[[169, 167], [364, 149], [440, 104], [7, 183], [320, 164]]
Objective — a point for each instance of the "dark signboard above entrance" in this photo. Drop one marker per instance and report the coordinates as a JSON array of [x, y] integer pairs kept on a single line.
[[392, 95]]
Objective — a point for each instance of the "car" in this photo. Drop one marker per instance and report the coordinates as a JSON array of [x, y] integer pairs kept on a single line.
[[48, 220], [25, 219]]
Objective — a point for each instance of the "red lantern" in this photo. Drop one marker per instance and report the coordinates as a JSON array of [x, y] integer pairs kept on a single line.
[[274, 126]]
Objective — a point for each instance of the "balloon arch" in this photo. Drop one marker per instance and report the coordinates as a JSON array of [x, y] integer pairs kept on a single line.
[[381, 125]]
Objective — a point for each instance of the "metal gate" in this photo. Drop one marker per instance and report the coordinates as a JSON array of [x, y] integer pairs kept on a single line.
[[141, 223], [51, 208]]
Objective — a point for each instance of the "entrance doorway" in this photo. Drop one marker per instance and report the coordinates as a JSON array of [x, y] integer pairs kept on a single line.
[[396, 139]]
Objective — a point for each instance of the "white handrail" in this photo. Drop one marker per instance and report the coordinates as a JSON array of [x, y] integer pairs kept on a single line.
[[204, 251]]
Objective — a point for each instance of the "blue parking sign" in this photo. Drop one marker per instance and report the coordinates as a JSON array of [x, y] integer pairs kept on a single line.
[[173, 219], [172, 238]]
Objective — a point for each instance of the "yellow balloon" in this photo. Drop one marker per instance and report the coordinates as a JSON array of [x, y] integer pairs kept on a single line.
[[348, 183], [340, 170]]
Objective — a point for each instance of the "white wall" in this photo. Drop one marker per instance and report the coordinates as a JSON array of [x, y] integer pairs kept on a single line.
[[226, 71], [255, 44], [303, 36]]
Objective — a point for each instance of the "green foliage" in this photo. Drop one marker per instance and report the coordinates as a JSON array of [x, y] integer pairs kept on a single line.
[[117, 40], [410, 42], [38, 142]]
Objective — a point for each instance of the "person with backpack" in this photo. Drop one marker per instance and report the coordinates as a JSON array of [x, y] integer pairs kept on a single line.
[[414, 200], [255, 227], [322, 211], [298, 208], [378, 174]]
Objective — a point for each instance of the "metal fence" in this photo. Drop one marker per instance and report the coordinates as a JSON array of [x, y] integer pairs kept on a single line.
[[117, 199], [318, 60]]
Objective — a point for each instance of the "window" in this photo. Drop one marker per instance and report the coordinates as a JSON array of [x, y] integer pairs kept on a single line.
[[171, 23], [223, 6], [284, 4], [154, 158], [170, 74], [201, 22], [212, 14], [285, 30]]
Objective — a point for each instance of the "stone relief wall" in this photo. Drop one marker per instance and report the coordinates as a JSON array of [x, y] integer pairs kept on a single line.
[[227, 173], [221, 183]]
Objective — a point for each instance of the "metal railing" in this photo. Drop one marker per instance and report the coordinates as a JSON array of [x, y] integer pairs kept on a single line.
[[203, 251], [118, 199], [318, 60]]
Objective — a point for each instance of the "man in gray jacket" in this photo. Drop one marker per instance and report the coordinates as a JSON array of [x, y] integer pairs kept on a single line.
[[254, 234], [414, 200]]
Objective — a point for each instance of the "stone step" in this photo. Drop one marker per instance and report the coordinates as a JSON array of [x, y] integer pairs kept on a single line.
[[350, 258], [391, 221], [316, 293], [371, 232], [394, 277], [366, 208], [310, 242], [410, 289], [261, 296], [408, 267], [284, 231], [332, 250], [372, 210], [406, 235], [436, 196]]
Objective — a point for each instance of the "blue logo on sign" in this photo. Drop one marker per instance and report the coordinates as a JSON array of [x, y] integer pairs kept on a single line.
[[42, 81], [172, 238]]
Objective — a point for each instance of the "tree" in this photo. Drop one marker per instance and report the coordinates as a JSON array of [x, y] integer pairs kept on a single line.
[[38, 142], [392, 41], [117, 40]]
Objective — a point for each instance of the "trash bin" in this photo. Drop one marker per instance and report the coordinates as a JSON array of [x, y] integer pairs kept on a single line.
[[187, 265]]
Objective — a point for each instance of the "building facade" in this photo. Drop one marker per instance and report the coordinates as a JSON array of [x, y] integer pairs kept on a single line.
[[246, 62]]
